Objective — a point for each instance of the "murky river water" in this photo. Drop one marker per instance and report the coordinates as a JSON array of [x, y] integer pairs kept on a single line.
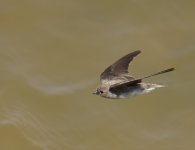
[[51, 55]]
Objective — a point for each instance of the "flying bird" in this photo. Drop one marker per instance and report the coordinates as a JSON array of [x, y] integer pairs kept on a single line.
[[117, 83]]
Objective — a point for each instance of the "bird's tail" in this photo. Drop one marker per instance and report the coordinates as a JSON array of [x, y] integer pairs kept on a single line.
[[160, 72]]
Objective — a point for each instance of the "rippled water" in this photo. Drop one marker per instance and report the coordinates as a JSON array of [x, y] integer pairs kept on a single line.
[[51, 55]]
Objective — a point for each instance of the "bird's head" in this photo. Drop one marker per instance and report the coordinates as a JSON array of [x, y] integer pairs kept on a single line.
[[101, 91]]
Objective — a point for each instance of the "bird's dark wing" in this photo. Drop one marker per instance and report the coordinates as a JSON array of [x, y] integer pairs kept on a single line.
[[120, 66], [125, 84]]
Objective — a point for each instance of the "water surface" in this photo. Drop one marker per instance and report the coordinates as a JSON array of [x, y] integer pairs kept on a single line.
[[51, 55]]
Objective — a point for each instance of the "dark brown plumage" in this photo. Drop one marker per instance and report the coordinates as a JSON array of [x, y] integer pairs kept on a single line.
[[120, 66]]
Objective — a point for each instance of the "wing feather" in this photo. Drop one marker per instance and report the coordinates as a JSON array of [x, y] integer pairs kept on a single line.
[[119, 67]]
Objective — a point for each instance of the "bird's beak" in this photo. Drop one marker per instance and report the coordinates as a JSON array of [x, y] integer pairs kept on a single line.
[[95, 93]]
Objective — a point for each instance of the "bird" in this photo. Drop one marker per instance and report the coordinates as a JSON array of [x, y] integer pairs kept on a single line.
[[117, 83]]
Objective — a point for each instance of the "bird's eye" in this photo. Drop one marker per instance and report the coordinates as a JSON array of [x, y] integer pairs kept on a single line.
[[101, 92]]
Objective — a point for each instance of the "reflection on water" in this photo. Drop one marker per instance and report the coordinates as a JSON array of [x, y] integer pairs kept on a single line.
[[32, 127], [50, 61]]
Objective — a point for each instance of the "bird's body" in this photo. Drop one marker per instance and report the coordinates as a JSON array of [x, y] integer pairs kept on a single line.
[[117, 83], [124, 92]]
